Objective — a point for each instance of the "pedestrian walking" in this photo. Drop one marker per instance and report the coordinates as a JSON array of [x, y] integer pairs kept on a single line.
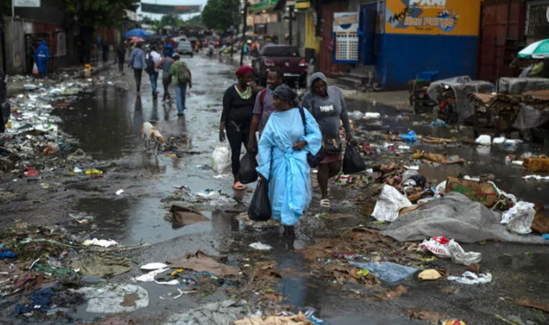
[[165, 64], [121, 55], [328, 107], [41, 57], [236, 118], [289, 136], [168, 49], [152, 60], [264, 107], [137, 63], [182, 78], [106, 50]]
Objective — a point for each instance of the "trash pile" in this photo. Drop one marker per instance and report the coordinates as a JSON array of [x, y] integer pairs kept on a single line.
[[207, 198], [33, 141], [452, 97]]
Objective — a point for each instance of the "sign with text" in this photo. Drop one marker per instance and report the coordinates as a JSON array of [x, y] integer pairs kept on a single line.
[[433, 17], [27, 3], [345, 27], [169, 10]]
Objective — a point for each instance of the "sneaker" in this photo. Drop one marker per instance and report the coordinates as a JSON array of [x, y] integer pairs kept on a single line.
[[179, 114]]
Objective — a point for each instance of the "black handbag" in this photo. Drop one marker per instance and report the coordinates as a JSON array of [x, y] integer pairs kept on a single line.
[[313, 160], [332, 146]]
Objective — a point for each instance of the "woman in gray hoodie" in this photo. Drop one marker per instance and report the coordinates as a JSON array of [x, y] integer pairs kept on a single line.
[[327, 105]]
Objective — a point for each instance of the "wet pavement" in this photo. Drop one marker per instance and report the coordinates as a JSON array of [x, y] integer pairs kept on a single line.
[[108, 125]]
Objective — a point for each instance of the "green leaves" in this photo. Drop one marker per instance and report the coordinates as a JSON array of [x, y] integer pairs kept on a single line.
[[221, 14], [99, 13]]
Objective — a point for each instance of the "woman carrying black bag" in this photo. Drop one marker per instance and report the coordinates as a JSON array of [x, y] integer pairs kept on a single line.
[[327, 105]]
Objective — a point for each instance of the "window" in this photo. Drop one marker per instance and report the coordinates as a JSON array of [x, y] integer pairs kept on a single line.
[[280, 51], [538, 24]]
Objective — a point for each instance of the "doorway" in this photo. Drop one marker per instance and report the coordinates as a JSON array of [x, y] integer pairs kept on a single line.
[[368, 16]]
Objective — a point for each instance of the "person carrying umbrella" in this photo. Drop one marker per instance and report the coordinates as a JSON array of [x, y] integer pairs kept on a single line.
[[137, 62]]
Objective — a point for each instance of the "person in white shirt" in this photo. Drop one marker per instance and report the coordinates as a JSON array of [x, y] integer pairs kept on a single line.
[[152, 60]]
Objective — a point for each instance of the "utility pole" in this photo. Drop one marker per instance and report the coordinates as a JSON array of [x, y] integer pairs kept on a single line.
[[291, 19], [244, 25]]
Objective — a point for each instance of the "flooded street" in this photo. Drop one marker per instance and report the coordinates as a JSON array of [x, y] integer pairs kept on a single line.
[[107, 124]]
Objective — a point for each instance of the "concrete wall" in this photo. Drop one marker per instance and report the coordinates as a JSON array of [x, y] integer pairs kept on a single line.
[[15, 46]]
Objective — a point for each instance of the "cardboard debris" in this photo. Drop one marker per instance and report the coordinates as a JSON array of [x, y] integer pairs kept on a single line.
[[202, 263], [531, 303], [299, 319], [181, 216], [483, 193], [392, 294], [429, 275]]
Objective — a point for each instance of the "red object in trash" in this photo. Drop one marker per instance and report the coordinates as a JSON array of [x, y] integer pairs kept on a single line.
[[31, 172]]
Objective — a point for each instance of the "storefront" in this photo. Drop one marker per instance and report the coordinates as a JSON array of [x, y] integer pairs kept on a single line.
[[427, 35]]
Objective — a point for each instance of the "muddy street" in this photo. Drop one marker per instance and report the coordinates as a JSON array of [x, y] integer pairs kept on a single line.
[[133, 191]]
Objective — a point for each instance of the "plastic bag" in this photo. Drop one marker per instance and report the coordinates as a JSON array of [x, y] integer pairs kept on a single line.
[[389, 203], [444, 248], [436, 245], [221, 159], [352, 162], [260, 207], [520, 217], [387, 271], [35, 69], [471, 278], [247, 173], [484, 140]]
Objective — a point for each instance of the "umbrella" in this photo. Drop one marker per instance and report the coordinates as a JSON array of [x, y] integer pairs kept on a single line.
[[136, 32], [537, 50], [136, 40]]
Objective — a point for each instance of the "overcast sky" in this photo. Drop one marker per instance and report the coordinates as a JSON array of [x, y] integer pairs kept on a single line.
[[172, 2]]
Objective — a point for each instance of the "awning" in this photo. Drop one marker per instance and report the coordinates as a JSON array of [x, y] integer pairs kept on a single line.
[[263, 5]]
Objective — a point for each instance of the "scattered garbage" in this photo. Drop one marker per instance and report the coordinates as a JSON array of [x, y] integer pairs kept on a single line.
[[410, 137], [150, 277], [444, 248], [102, 265], [299, 319], [484, 140], [261, 247], [216, 313], [481, 192], [520, 217], [429, 275], [387, 271], [99, 242], [371, 115], [181, 216], [119, 192], [472, 278], [389, 204], [199, 261], [153, 266], [536, 165], [112, 299]]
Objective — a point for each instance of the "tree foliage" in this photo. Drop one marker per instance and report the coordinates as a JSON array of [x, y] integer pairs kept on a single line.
[[99, 13], [221, 14]]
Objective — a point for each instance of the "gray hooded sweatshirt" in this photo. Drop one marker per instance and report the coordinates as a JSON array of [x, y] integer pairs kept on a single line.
[[328, 111]]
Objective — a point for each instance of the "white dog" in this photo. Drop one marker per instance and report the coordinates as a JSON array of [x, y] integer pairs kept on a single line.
[[150, 133]]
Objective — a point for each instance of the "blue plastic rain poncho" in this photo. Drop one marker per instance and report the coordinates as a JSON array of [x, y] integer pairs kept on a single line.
[[169, 50], [286, 169], [41, 57]]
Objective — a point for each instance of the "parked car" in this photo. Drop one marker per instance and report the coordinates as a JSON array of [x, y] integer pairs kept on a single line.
[[284, 57], [185, 48]]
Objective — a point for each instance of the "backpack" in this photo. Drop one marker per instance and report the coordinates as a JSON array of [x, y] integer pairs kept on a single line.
[[150, 69], [262, 98], [183, 73]]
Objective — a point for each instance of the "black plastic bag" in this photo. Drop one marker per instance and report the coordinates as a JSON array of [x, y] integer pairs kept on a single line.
[[352, 162], [247, 173], [260, 208]]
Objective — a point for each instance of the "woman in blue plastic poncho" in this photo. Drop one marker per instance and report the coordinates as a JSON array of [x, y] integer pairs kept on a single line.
[[283, 150]]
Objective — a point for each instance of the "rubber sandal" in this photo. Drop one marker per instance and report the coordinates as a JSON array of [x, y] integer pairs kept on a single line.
[[238, 186], [325, 203]]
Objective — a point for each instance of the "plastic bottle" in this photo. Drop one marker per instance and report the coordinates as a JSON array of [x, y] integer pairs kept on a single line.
[[87, 71]]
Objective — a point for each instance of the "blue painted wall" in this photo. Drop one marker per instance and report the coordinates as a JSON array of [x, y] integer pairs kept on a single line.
[[401, 57]]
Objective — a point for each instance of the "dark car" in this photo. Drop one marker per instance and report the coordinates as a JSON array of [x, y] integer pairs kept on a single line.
[[284, 57], [185, 48]]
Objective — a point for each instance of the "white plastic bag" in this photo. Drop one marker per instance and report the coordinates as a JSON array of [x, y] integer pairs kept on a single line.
[[444, 248], [35, 69], [471, 278], [519, 218], [436, 245], [459, 256], [484, 140], [389, 203], [221, 159]]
